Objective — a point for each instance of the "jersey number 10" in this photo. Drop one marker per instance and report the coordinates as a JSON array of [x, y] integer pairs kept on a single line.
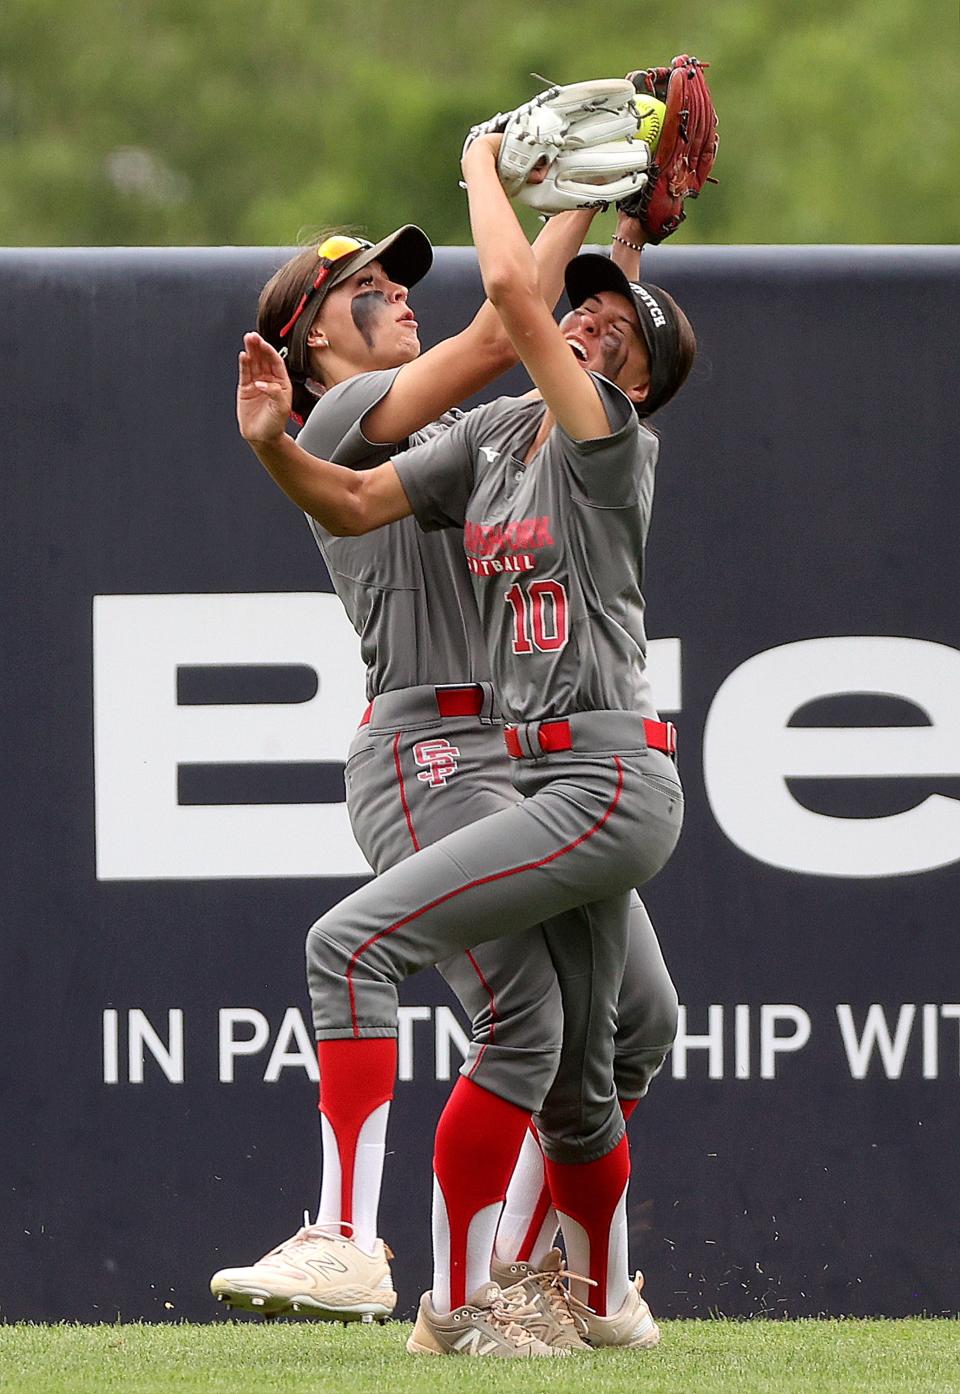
[[540, 616]]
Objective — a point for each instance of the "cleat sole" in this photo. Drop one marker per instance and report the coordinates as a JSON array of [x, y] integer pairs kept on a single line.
[[268, 1305]]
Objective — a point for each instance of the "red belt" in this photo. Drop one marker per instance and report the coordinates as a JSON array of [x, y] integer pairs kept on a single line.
[[451, 701], [556, 735]]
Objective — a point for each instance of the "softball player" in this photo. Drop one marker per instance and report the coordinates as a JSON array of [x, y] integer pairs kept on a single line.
[[593, 763], [408, 595]]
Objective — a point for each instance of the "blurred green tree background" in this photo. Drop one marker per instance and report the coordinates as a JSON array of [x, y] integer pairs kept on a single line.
[[258, 121]]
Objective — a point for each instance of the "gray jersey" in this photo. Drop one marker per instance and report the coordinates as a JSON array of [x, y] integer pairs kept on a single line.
[[407, 592], [555, 549]]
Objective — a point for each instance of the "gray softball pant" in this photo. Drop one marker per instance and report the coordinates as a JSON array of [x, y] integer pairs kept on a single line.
[[550, 863], [414, 775]]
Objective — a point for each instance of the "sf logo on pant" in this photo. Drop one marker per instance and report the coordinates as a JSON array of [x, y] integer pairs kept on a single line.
[[440, 759]]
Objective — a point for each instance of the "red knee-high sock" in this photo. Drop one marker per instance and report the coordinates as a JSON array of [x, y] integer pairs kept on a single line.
[[356, 1080], [477, 1143], [537, 1236], [591, 1202]]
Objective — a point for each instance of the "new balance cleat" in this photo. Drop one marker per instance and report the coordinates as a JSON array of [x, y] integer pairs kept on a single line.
[[317, 1273], [632, 1327], [483, 1326], [541, 1301]]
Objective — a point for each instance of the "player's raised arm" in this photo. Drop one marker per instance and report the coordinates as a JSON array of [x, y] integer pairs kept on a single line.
[[457, 367], [510, 281], [344, 501], [678, 120], [627, 244], [594, 118]]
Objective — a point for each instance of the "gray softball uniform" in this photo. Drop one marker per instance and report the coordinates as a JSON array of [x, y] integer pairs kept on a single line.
[[418, 766], [553, 550], [415, 772]]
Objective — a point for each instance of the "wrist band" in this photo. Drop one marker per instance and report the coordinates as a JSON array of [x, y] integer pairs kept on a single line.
[[634, 246]]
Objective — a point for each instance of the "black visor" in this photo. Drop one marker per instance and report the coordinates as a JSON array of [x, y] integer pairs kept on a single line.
[[590, 273]]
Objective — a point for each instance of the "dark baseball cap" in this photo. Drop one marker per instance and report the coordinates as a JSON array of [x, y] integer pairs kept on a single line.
[[405, 255], [590, 273]]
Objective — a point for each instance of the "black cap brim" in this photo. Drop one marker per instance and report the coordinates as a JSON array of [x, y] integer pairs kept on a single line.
[[590, 273], [406, 256]]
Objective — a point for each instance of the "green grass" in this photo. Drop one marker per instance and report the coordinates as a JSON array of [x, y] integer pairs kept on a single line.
[[703, 1357]]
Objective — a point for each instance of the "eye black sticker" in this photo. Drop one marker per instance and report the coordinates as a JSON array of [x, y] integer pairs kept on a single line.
[[365, 309]]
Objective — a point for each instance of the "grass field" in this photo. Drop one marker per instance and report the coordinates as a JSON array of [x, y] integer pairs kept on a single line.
[[703, 1357]]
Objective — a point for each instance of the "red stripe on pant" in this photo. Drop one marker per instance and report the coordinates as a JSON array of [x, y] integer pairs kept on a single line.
[[493, 1013], [472, 885], [403, 792], [401, 784]]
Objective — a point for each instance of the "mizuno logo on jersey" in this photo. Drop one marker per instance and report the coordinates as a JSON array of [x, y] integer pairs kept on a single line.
[[523, 535], [492, 456], [440, 759]]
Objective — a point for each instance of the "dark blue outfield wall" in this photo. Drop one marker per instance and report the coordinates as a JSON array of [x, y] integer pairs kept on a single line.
[[179, 688]]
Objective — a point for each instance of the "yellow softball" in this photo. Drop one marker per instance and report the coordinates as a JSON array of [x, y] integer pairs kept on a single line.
[[651, 113]]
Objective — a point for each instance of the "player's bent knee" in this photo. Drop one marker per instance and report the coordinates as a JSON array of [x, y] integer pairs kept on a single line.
[[522, 1077], [654, 1027], [327, 957], [633, 1073], [574, 1137]]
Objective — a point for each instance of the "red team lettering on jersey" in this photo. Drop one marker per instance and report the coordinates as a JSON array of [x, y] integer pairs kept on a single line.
[[440, 759], [521, 535], [495, 548], [540, 610]]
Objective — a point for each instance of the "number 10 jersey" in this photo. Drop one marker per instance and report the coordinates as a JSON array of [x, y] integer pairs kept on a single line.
[[554, 547]]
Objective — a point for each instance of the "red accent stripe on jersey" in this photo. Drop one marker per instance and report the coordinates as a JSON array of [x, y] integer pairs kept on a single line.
[[472, 885], [493, 1014], [403, 791]]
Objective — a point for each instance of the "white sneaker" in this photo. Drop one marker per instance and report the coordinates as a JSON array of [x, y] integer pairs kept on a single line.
[[317, 1273], [633, 1326], [483, 1326]]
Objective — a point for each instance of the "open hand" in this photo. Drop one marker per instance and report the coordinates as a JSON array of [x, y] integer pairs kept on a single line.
[[264, 391]]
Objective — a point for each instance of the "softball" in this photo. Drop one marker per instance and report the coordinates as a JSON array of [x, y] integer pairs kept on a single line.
[[651, 113]]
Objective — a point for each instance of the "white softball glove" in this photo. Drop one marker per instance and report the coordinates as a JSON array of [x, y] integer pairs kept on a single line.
[[589, 178], [582, 132]]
